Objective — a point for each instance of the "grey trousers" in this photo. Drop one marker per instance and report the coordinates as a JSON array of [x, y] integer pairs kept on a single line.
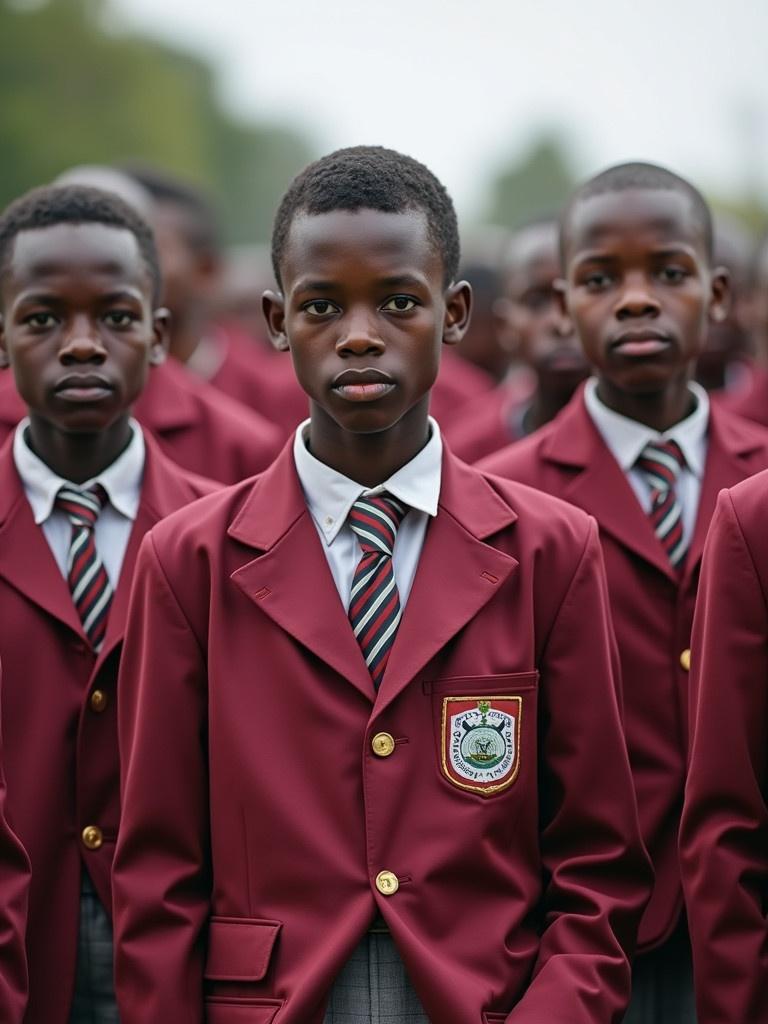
[[662, 983], [374, 988], [94, 1001]]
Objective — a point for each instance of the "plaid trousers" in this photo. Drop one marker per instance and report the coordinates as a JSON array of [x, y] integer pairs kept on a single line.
[[374, 988], [94, 1001]]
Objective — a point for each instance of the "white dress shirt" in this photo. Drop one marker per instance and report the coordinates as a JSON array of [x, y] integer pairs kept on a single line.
[[121, 481], [330, 496], [626, 439]]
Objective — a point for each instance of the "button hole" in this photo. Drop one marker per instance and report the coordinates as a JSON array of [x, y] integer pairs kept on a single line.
[[401, 739], [490, 577], [262, 593]]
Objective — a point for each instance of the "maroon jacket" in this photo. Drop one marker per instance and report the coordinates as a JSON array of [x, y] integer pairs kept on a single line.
[[14, 891], [488, 422], [652, 608], [258, 815], [724, 834], [200, 429], [60, 722]]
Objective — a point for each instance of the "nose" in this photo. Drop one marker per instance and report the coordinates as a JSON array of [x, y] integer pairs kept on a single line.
[[82, 343], [360, 336], [636, 298]]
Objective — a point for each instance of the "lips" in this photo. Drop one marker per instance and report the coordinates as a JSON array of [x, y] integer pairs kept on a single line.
[[641, 342], [83, 387], [366, 385]]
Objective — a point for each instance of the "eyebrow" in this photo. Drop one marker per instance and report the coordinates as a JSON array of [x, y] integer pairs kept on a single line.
[[394, 281]]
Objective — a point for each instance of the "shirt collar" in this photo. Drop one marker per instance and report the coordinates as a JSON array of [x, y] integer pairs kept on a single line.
[[121, 480], [626, 438], [330, 495]]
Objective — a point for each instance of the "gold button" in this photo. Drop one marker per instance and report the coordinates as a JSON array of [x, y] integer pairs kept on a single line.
[[98, 701], [387, 883], [93, 837], [382, 744], [685, 659]]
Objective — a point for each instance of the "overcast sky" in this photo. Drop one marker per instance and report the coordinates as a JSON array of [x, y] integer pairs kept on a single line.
[[462, 84]]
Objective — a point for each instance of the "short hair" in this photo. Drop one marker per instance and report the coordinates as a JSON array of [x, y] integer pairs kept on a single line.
[[201, 230], [638, 175], [373, 178], [51, 205]]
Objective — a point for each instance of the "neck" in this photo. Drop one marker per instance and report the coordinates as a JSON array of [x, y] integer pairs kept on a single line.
[[545, 405], [186, 333], [369, 458], [77, 457], [659, 410]]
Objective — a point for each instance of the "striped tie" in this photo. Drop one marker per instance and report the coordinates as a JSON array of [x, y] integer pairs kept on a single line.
[[374, 605], [86, 575], [660, 462]]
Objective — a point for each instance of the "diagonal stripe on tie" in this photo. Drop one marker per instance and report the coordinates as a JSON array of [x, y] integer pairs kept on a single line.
[[374, 608], [660, 463]]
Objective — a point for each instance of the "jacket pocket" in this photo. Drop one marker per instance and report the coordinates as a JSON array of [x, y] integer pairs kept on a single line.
[[220, 1010], [483, 685], [239, 949], [494, 1018]]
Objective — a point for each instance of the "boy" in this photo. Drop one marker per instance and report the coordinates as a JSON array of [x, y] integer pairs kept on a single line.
[[640, 448], [79, 486], [724, 831], [752, 401], [339, 759], [532, 328]]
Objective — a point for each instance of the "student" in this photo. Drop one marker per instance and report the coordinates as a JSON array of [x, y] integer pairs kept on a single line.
[[724, 832], [641, 450], [14, 891], [752, 401], [532, 328], [80, 483], [426, 772]]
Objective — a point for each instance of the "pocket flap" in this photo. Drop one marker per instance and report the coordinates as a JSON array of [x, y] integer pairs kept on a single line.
[[239, 948]]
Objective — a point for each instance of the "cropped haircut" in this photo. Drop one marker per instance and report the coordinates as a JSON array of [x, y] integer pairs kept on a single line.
[[639, 175], [201, 229], [76, 204], [370, 178]]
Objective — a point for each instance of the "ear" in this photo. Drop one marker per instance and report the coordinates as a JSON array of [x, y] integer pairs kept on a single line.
[[4, 360], [161, 322], [273, 305], [720, 295], [458, 308]]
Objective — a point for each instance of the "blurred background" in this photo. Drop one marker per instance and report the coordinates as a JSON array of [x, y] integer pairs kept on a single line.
[[508, 102]]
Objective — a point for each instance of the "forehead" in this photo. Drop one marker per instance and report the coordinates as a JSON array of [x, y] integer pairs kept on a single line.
[[633, 220], [97, 251], [329, 244]]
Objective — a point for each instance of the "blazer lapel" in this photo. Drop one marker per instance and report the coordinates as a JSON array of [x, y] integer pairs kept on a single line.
[[458, 573], [291, 581], [598, 484]]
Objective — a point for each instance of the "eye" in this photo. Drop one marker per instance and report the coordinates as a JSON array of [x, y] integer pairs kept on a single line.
[[596, 281], [120, 318], [673, 274], [41, 320], [320, 307], [399, 304]]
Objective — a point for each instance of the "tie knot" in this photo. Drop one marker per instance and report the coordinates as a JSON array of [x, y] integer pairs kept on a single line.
[[81, 507], [661, 461], [375, 520]]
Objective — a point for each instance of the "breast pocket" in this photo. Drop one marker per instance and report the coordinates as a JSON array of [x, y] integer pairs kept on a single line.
[[485, 728]]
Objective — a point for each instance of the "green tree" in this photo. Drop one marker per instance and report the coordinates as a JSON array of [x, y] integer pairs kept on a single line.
[[536, 184]]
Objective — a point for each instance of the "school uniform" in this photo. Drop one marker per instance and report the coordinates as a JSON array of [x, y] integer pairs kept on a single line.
[[200, 429], [245, 369], [750, 400], [588, 456], [14, 888], [490, 421], [59, 710], [458, 381], [724, 832], [314, 802]]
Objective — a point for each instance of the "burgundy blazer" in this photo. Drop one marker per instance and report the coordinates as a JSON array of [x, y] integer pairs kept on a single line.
[[199, 428], [14, 890], [488, 422], [457, 382], [652, 608], [752, 401], [258, 814], [724, 833], [60, 722]]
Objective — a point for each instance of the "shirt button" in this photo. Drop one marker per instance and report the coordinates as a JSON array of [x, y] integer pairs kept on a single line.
[[685, 659], [382, 744], [98, 701], [328, 520], [93, 837], [387, 883]]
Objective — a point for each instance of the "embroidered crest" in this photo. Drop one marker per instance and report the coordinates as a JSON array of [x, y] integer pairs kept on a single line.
[[481, 742]]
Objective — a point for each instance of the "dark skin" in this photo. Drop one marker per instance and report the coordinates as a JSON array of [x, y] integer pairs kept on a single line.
[[79, 332], [531, 324], [640, 291], [364, 311]]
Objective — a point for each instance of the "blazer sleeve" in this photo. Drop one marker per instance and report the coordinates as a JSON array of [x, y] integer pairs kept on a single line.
[[597, 873], [14, 891], [724, 834], [161, 883]]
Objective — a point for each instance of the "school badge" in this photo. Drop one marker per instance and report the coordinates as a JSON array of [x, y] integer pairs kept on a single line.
[[481, 742]]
